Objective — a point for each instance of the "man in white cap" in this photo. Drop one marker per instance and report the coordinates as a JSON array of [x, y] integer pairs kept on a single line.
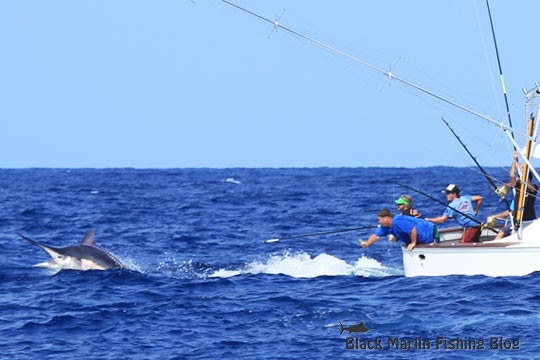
[[462, 209]]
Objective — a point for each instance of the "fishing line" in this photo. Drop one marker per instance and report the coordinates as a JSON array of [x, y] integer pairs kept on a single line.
[[486, 58], [318, 233]]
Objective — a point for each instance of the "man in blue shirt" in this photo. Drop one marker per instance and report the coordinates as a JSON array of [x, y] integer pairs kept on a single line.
[[457, 207], [407, 229]]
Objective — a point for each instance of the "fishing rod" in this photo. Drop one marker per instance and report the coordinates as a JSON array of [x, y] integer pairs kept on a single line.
[[319, 233], [503, 84], [502, 191], [440, 202], [509, 131], [525, 179]]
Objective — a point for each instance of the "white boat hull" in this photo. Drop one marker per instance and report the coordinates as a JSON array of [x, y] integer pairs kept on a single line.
[[510, 256]]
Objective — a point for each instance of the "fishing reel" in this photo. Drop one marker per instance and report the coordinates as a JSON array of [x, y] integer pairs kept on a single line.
[[490, 223], [502, 191]]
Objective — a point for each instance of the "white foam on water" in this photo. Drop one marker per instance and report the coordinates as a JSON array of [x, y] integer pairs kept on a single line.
[[366, 267], [232, 181], [302, 265], [222, 273]]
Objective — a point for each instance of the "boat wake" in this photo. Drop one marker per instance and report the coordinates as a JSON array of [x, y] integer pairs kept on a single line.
[[296, 265], [302, 265]]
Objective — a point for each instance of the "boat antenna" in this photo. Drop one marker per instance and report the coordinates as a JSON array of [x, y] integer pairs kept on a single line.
[[440, 202], [502, 190], [503, 84]]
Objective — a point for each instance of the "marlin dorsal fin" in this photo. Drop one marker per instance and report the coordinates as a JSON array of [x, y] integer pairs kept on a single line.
[[89, 238]]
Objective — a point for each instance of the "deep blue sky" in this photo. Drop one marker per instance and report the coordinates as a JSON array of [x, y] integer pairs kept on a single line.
[[182, 84]]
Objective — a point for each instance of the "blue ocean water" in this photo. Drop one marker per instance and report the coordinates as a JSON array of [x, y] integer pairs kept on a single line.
[[206, 286]]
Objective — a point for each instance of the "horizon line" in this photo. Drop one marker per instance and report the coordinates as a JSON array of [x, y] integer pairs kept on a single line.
[[237, 167]]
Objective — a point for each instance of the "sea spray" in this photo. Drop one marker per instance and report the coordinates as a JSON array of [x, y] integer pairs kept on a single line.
[[303, 265]]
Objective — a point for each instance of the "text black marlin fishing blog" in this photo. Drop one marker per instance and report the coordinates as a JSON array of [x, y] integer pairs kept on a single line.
[[439, 343]]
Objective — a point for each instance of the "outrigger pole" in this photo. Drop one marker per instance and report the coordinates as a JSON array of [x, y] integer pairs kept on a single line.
[[440, 202], [389, 74], [508, 130]]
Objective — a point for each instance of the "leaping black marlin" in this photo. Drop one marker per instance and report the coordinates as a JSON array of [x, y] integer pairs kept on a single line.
[[85, 256]]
